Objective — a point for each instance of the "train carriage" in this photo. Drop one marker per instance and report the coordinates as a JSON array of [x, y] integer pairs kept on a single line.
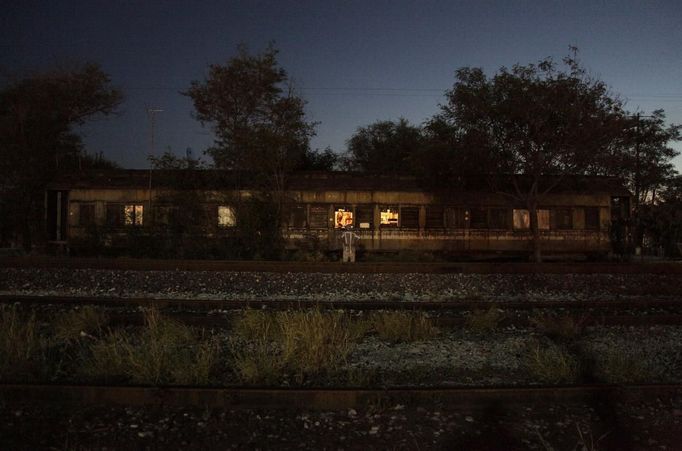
[[390, 213]]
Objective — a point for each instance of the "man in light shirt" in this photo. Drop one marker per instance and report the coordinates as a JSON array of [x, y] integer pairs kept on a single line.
[[349, 240]]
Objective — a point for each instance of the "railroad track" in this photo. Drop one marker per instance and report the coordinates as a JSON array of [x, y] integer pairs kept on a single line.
[[217, 313], [336, 267], [327, 399], [364, 305]]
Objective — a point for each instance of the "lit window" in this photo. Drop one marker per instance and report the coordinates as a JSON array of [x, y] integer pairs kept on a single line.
[[226, 217], [132, 215], [343, 218], [389, 217], [521, 219]]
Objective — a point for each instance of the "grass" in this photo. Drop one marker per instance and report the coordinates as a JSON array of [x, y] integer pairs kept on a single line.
[[162, 352], [616, 366], [562, 327], [481, 321], [552, 364], [23, 351], [404, 327], [306, 344], [74, 324]]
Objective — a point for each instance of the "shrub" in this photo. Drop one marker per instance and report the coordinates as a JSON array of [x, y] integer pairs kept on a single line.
[[484, 320], [563, 327], [403, 326], [552, 364]]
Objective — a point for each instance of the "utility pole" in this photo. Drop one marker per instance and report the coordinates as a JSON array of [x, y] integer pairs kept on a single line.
[[151, 113]]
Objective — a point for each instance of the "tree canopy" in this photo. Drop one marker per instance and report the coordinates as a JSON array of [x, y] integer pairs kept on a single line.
[[384, 147], [38, 114], [258, 120]]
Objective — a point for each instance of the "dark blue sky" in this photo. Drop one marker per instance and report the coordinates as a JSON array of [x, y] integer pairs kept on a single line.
[[355, 62]]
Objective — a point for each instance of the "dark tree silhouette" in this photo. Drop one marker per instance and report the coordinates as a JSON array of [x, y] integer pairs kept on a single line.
[[38, 114]]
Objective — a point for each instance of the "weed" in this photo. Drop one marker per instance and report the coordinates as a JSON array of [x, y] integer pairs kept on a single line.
[[254, 325], [552, 364], [399, 327], [616, 366], [163, 352], [314, 342], [23, 351], [72, 325], [563, 327], [258, 362], [481, 321]]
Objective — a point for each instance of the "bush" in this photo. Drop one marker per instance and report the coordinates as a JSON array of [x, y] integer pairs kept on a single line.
[[403, 326], [481, 321], [552, 364]]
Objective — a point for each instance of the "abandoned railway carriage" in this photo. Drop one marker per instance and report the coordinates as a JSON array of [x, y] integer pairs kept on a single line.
[[389, 213]]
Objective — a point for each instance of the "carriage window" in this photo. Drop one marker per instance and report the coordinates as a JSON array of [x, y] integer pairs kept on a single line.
[[521, 219], [297, 217], [343, 217], [498, 218], [592, 218], [365, 216], [434, 217], [410, 217], [543, 219], [164, 215], [86, 214], [478, 218], [389, 216], [319, 217], [455, 218], [563, 218], [226, 216], [132, 215]]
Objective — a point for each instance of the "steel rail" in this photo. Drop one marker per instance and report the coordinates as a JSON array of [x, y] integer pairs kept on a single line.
[[327, 399], [287, 304], [336, 267]]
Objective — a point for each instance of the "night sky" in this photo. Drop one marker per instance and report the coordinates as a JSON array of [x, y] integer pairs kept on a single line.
[[354, 62]]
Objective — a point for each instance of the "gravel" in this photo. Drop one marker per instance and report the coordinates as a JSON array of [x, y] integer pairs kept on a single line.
[[341, 286]]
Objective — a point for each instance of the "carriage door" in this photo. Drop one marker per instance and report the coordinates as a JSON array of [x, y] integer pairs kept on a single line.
[[57, 215]]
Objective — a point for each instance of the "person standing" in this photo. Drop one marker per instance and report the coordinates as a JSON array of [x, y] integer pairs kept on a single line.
[[349, 239]]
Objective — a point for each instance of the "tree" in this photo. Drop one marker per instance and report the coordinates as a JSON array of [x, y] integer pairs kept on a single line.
[[258, 120], [260, 127], [315, 160], [536, 123], [645, 163], [384, 147], [662, 220], [37, 139]]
